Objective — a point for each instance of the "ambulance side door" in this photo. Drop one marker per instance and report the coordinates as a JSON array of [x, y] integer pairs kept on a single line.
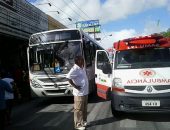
[[103, 74]]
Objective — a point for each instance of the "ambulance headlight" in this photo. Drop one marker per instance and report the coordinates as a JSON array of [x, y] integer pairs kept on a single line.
[[117, 82]]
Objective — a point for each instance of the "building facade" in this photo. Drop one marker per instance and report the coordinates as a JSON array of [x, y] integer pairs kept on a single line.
[[18, 20]]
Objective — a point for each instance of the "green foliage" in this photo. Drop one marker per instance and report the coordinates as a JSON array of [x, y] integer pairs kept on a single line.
[[166, 34]]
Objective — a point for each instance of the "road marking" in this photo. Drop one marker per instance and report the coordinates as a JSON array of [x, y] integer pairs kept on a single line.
[[51, 108], [27, 121], [128, 123], [92, 115], [57, 108], [58, 120]]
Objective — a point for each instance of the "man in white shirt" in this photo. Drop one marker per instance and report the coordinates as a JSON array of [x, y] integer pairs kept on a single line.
[[78, 79]]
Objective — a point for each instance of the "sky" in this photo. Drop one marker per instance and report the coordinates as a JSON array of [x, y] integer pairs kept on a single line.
[[119, 19]]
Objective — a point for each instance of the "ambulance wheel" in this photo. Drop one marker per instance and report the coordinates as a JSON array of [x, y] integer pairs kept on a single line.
[[116, 114]]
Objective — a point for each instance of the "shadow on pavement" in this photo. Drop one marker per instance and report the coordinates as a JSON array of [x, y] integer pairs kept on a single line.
[[45, 121], [156, 117], [70, 100], [95, 99], [102, 121]]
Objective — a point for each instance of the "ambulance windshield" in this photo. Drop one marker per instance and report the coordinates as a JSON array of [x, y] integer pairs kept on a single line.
[[143, 58]]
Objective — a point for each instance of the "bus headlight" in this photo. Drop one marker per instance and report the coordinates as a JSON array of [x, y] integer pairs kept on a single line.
[[35, 84], [117, 85]]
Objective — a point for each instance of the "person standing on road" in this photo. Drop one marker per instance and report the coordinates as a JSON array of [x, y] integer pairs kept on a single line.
[[9, 97], [3, 87], [78, 79]]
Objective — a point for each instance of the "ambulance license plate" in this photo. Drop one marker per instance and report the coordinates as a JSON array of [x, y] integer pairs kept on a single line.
[[151, 103]]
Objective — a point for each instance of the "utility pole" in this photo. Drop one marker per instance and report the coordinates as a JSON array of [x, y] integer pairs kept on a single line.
[[94, 33], [158, 25]]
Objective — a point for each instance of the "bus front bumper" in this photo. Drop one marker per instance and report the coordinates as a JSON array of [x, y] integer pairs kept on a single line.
[[41, 92]]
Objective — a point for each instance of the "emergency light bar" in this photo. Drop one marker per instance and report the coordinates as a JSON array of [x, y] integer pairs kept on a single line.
[[142, 42]]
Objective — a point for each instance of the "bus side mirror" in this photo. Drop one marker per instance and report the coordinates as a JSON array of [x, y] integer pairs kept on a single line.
[[107, 68]]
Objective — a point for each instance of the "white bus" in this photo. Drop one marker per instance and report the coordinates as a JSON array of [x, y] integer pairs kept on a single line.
[[48, 78], [138, 78]]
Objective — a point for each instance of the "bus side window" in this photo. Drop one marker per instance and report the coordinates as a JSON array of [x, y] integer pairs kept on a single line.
[[92, 51], [86, 48], [96, 47]]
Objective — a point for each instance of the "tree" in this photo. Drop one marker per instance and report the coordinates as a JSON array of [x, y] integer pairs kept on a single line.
[[167, 33]]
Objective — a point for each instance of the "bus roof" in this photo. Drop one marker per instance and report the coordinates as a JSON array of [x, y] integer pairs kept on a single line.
[[55, 30], [42, 34], [151, 41]]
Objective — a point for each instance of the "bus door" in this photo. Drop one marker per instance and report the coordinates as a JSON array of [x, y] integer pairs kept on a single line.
[[103, 74]]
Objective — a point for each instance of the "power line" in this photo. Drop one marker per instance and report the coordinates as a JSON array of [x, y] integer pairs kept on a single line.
[[73, 10], [55, 11], [80, 8], [60, 17], [44, 3], [64, 20], [61, 10], [51, 11], [70, 24], [51, 3], [105, 35], [103, 32]]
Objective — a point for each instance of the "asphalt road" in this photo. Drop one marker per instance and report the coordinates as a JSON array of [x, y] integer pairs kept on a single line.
[[57, 114]]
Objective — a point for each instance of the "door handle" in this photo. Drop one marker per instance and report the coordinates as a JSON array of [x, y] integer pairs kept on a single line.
[[95, 75]]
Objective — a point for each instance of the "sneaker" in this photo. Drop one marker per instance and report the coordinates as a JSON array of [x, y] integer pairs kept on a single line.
[[85, 123], [80, 128]]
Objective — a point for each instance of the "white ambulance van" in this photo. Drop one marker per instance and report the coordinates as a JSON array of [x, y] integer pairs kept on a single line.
[[138, 77]]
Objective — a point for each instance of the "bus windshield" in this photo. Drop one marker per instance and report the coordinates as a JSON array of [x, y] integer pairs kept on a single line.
[[47, 56], [64, 35], [143, 58]]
